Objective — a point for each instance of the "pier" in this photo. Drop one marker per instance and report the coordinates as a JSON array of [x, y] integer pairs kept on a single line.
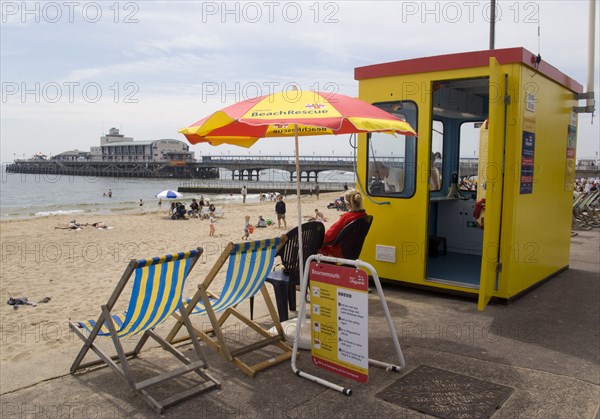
[[115, 170], [250, 167], [207, 167]]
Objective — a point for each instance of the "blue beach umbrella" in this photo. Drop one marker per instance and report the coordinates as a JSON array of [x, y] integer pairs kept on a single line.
[[169, 194]]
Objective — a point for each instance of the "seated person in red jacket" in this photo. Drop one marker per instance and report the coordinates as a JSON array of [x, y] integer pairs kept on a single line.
[[353, 201]]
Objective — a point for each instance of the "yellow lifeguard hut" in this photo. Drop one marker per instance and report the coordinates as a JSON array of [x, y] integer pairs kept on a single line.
[[481, 201]]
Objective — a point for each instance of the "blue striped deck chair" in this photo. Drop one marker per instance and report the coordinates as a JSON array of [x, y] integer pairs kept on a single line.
[[156, 294], [249, 265]]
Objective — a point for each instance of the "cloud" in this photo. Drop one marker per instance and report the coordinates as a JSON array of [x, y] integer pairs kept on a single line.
[[187, 42]]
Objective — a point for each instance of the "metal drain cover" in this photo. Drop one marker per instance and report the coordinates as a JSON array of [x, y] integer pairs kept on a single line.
[[445, 394]]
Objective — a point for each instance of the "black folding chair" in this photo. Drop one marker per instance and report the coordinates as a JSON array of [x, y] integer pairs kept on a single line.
[[352, 237], [284, 280]]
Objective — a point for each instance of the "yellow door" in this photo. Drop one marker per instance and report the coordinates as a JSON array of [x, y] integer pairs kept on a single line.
[[493, 187]]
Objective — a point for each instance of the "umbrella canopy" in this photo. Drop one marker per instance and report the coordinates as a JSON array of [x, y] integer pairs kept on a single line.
[[276, 115], [169, 194]]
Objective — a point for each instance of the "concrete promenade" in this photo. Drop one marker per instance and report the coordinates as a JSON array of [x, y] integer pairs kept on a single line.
[[544, 346]]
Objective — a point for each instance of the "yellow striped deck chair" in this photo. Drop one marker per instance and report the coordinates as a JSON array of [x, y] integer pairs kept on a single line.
[[156, 294], [249, 265]]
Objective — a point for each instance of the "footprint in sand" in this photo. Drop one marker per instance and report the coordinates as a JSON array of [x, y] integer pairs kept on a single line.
[[22, 356]]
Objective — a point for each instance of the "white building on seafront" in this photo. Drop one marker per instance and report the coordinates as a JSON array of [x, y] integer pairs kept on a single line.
[[115, 147]]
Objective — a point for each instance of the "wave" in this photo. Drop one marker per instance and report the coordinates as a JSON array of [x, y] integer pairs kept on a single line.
[[58, 212]]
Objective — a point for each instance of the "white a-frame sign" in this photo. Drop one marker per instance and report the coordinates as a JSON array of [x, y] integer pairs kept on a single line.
[[339, 320]]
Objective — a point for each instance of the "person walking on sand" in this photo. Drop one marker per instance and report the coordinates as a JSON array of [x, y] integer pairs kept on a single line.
[[317, 191], [211, 222], [195, 209], [246, 235], [280, 210], [244, 192]]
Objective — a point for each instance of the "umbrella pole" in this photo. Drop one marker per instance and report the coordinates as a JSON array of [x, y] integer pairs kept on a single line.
[[303, 283], [299, 207]]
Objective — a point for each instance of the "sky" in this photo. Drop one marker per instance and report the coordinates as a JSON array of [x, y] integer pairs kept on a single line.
[[71, 70]]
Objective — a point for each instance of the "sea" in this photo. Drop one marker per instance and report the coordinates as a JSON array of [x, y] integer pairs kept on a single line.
[[24, 195]]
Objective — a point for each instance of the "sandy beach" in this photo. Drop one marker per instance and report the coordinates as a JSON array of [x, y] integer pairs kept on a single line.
[[78, 269]]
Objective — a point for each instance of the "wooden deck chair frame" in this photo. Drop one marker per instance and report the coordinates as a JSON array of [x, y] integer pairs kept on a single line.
[[589, 211], [585, 216], [172, 273], [209, 303]]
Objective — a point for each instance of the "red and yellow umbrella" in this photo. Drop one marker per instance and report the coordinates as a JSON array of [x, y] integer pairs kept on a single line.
[[292, 113]]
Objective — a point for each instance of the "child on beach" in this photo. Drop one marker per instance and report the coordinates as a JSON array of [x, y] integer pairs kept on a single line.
[[262, 223], [212, 220], [319, 216], [246, 235]]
